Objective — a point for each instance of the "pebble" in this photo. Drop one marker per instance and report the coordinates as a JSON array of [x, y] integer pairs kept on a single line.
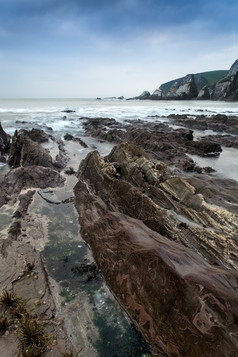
[[37, 302]]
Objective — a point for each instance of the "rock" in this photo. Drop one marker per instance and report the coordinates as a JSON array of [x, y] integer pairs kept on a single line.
[[68, 111], [229, 141], [218, 122], [163, 249], [143, 95], [26, 152], [75, 139], [199, 81], [27, 177], [164, 143], [49, 196], [204, 93], [121, 97], [4, 141], [186, 90], [38, 135], [70, 171], [205, 147], [227, 88], [234, 69], [158, 93]]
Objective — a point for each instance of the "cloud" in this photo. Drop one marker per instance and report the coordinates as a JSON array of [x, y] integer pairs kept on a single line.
[[121, 47]]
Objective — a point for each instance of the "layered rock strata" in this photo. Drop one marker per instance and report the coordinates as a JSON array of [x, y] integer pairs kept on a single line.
[[159, 139], [167, 252]]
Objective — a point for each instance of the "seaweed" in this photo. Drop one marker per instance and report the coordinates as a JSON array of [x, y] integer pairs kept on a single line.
[[32, 336], [10, 300], [4, 323]]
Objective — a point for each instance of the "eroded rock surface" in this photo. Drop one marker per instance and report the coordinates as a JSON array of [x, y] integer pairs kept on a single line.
[[218, 123], [168, 253], [27, 177], [26, 150], [164, 143], [4, 141]]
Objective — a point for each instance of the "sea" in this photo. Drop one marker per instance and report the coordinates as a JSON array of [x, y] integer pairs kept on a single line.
[[50, 114]]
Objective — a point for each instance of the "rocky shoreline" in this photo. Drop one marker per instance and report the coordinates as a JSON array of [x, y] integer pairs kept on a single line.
[[162, 230]]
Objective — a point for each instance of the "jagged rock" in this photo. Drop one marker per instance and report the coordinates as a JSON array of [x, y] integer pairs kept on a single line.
[[38, 135], [234, 69], [186, 90], [4, 141], [75, 139], [137, 217], [227, 88], [204, 93], [26, 152], [144, 95], [164, 143], [158, 92]]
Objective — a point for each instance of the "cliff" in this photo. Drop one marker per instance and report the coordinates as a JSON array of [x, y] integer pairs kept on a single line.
[[213, 85]]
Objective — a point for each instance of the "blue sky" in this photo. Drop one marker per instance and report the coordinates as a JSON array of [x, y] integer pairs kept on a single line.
[[96, 48]]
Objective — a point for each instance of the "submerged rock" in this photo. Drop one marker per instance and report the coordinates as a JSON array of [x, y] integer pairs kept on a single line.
[[163, 249], [75, 139]]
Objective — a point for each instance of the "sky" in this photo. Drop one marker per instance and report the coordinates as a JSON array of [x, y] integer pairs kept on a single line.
[[98, 48]]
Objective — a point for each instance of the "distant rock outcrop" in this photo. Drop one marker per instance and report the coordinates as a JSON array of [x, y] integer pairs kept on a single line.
[[144, 95], [227, 88], [213, 85]]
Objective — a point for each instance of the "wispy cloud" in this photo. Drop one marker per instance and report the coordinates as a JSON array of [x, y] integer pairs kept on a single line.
[[110, 47]]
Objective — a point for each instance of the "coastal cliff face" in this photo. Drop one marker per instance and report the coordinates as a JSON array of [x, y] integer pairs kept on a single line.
[[227, 88], [214, 85], [166, 250]]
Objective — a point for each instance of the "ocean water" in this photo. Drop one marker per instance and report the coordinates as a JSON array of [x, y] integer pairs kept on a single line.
[[49, 114]]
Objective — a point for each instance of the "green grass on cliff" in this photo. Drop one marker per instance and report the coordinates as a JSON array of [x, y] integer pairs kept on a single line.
[[213, 76]]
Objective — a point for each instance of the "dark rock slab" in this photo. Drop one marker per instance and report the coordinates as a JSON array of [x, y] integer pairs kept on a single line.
[[75, 139], [26, 152], [4, 141], [140, 219], [27, 177]]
